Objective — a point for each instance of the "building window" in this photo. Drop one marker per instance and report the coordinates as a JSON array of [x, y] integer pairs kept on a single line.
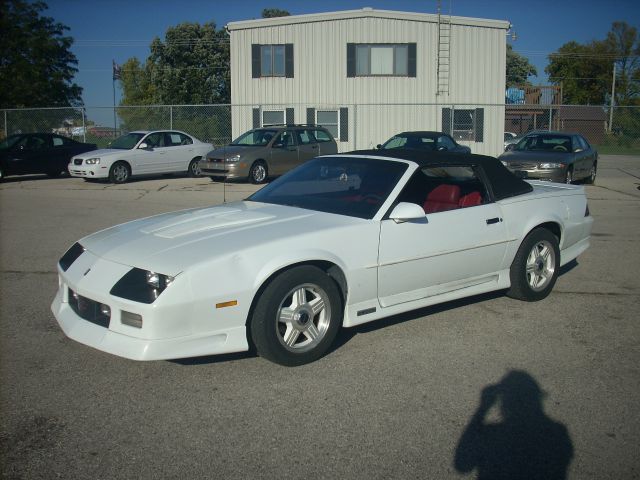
[[367, 60], [272, 117], [272, 60], [329, 119], [464, 124]]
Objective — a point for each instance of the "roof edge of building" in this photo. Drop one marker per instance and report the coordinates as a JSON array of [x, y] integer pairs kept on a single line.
[[363, 13]]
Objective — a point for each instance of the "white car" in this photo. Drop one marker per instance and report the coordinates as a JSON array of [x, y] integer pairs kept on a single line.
[[339, 241], [142, 153]]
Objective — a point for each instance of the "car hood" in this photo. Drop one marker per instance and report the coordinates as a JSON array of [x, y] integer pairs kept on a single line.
[[231, 150], [102, 152], [170, 243], [525, 156]]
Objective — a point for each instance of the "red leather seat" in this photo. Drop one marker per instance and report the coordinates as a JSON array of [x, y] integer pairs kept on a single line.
[[442, 198], [470, 200]]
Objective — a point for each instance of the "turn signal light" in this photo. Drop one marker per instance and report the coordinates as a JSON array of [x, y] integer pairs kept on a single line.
[[131, 319]]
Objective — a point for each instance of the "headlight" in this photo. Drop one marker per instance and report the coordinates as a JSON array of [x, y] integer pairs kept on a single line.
[[547, 166], [235, 158], [92, 161], [141, 285]]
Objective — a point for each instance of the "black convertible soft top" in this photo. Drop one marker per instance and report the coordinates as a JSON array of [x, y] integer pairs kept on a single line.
[[503, 183]]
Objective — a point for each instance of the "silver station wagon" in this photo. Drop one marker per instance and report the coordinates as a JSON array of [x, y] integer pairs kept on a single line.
[[268, 151]]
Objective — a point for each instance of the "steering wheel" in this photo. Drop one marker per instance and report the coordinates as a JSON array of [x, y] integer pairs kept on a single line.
[[560, 148]]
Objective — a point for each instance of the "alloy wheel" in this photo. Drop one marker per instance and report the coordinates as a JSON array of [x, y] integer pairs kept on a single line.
[[541, 265], [303, 318]]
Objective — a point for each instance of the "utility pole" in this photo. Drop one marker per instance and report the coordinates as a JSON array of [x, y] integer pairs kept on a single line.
[[613, 98]]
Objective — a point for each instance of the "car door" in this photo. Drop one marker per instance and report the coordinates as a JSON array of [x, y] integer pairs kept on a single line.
[[307, 145], [588, 153], [457, 245], [284, 153], [62, 149], [26, 155], [326, 144], [153, 158], [179, 151]]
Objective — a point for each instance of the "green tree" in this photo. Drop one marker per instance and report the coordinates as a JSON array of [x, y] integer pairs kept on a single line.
[[623, 41], [189, 67], [36, 65], [518, 68], [274, 12], [585, 70]]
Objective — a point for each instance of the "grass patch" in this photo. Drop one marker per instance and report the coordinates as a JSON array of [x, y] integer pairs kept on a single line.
[[617, 150]]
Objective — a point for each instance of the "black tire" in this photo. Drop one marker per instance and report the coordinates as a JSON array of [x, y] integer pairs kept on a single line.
[[297, 316], [568, 177], [535, 268], [194, 167], [258, 172], [119, 172], [591, 179]]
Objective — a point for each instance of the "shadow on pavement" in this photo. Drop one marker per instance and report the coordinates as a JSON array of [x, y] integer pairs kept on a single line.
[[523, 443]]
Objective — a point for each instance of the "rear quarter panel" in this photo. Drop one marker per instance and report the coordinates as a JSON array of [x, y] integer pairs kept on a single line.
[[564, 205]]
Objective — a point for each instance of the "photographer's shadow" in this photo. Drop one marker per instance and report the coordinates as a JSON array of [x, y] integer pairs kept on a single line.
[[522, 443]]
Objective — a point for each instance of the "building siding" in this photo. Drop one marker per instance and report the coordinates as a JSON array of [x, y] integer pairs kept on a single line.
[[320, 76]]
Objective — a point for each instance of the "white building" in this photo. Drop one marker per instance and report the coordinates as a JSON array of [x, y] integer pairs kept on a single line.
[[368, 74]]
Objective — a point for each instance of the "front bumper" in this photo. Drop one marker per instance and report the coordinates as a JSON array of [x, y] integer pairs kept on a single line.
[[88, 171], [224, 169], [175, 326], [550, 175]]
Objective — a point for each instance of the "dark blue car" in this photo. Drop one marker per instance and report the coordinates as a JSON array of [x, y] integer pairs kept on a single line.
[[27, 153], [429, 141]]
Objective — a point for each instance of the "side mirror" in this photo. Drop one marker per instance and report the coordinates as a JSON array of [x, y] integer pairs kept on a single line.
[[578, 150], [442, 148], [510, 147], [144, 146], [379, 146], [405, 211]]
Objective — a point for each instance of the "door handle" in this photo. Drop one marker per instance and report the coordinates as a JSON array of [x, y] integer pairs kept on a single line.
[[491, 221], [314, 146]]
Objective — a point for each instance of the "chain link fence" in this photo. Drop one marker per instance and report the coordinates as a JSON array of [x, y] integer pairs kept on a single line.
[[355, 126]]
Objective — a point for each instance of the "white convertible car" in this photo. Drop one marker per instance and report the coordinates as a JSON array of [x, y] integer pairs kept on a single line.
[[142, 153], [339, 241]]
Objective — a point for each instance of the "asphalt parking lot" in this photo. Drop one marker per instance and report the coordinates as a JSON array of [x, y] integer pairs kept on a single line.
[[392, 400]]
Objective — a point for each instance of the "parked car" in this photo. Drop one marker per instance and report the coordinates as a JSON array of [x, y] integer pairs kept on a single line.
[[339, 241], [27, 153], [262, 152], [554, 156], [142, 153], [515, 139], [509, 135], [429, 141]]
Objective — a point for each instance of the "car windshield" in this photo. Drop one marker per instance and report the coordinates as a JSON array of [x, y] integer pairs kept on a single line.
[[255, 138], [410, 141], [10, 141], [351, 186], [545, 143], [127, 142]]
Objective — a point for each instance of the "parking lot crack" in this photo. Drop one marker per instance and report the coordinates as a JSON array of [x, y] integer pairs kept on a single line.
[[597, 294], [618, 191]]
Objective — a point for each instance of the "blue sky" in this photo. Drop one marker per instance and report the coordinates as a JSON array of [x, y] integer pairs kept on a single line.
[[118, 30]]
